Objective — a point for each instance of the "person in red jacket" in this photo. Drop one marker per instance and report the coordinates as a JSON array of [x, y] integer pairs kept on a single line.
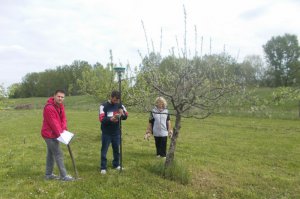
[[54, 123]]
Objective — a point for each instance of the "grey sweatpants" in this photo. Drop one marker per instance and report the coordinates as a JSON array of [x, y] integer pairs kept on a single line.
[[54, 153]]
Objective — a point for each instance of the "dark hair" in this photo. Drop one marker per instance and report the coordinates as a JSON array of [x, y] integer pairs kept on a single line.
[[59, 91], [115, 94]]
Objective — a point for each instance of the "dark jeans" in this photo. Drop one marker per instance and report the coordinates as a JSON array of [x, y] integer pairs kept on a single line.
[[161, 146], [54, 153], [115, 142]]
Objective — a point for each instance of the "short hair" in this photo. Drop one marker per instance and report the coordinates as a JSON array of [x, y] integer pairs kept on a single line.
[[59, 91], [161, 100], [115, 94]]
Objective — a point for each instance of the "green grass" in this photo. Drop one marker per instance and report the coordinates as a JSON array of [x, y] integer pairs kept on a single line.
[[225, 156]]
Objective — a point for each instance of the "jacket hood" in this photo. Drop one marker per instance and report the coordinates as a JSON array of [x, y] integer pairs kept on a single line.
[[51, 101]]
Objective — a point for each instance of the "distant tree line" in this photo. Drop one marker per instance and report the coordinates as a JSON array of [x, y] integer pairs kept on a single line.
[[280, 70], [41, 84], [74, 79]]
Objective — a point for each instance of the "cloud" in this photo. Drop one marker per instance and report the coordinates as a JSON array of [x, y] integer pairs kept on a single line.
[[254, 13], [37, 35], [11, 48]]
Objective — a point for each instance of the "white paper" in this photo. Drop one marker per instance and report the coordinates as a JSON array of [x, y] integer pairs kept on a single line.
[[65, 137], [110, 114]]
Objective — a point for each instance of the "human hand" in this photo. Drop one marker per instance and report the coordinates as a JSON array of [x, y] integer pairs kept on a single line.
[[121, 111], [147, 135], [115, 118], [170, 134]]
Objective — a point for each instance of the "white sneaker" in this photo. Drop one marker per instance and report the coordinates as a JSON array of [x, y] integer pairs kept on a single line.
[[103, 171], [119, 168]]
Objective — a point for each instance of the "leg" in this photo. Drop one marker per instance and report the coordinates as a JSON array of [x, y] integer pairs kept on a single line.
[[49, 161], [116, 150], [58, 155], [106, 139], [164, 146], [158, 145]]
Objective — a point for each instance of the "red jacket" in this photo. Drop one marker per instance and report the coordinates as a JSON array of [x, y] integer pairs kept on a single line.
[[54, 122]]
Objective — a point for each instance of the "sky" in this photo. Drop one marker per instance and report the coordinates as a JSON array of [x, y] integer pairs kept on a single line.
[[36, 35]]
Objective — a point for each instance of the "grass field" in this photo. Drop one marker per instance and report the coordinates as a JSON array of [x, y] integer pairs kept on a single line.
[[226, 156]]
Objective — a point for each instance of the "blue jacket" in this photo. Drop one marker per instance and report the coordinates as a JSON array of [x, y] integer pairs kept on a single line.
[[108, 110]]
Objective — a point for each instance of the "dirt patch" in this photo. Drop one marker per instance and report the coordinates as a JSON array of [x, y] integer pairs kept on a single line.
[[24, 106]]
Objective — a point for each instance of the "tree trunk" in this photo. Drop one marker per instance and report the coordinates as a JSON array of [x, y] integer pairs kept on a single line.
[[299, 107], [171, 152]]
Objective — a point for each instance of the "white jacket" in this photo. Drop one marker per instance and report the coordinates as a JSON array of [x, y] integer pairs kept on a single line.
[[159, 120]]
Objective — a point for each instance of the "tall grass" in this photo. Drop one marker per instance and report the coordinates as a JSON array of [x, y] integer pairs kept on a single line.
[[176, 172]]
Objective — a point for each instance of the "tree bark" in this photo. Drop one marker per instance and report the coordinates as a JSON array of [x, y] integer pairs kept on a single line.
[[299, 107], [171, 152]]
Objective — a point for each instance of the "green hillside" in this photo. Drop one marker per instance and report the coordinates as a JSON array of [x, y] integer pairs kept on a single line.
[[259, 102]]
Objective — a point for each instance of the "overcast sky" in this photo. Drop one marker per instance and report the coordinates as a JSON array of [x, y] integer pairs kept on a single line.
[[41, 34]]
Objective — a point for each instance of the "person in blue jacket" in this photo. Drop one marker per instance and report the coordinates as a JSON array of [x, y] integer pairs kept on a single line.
[[110, 113]]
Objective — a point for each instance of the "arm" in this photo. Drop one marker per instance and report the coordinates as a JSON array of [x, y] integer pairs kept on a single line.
[[64, 119], [169, 126], [103, 117], [123, 112], [149, 127], [148, 131]]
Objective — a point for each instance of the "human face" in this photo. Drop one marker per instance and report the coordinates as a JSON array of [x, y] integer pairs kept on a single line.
[[160, 106], [114, 100], [59, 98]]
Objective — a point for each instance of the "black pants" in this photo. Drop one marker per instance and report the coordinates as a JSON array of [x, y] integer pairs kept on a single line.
[[161, 146]]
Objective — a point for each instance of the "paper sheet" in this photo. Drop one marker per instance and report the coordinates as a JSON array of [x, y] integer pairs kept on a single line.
[[65, 137]]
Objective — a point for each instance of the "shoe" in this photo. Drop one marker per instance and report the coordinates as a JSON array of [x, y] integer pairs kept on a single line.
[[119, 168], [67, 178], [51, 177], [103, 171], [158, 156]]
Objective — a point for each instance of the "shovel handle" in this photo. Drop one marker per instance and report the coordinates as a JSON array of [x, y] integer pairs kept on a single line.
[[73, 161]]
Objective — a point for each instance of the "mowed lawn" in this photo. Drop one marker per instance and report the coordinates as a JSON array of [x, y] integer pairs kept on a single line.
[[227, 157]]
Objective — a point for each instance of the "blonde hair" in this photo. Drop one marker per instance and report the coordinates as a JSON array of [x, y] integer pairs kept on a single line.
[[161, 101]]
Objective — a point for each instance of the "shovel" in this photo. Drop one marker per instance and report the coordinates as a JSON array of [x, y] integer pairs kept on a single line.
[[73, 161]]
